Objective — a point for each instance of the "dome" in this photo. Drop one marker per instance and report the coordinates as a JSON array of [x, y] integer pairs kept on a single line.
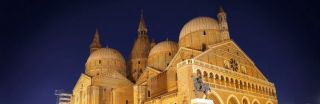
[[161, 54], [198, 23], [106, 58], [165, 46]]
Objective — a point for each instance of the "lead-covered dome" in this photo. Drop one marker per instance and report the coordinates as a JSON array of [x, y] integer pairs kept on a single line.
[[161, 54], [198, 23], [104, 60]]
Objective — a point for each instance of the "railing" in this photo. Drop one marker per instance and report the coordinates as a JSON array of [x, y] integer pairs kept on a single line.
[[223, 70], [229, 88], [231, 73]]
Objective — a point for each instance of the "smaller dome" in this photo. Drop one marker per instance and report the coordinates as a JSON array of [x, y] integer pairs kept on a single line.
[[105, 53], [198, 23], [165, 46], [161, 54], [106, 59]]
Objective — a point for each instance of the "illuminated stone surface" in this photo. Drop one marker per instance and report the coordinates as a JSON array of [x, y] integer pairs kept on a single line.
[[161, 73]]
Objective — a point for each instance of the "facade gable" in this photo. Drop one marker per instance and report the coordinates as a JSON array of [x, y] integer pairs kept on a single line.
[[229, 55]]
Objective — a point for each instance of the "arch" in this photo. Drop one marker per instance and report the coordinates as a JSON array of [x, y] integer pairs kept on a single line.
[[255, 101], [269, 102], [232, 99], [227, 81], [232, 83], [216, 78], [205, 76], [222, 78], [215, 97], [199, 72], [237, 84], [211, 75], [245, 100]]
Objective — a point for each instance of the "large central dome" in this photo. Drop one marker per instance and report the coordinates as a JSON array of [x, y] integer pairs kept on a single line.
[[199, 23]]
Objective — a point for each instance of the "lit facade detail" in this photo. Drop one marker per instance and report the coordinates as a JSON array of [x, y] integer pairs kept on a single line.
[[161, 73]]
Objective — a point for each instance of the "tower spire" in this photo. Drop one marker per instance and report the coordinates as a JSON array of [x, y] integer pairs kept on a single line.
[[221, 9], [223, 24], [95, 44], [142, 26]]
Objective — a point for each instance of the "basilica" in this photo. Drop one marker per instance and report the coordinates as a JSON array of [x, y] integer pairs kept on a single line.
[[162, 72]]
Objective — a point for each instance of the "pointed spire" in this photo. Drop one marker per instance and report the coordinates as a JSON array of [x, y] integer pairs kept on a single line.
[[96, 40], [221, 9], [142, 26]]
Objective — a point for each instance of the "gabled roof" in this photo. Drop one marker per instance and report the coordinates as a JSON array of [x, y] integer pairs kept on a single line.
[[146, 74], [214, 46], [111, 79], [176, 57]]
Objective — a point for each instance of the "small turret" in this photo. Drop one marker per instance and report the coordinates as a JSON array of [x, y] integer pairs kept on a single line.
[[142, 30], [223, 24], [95, 44]]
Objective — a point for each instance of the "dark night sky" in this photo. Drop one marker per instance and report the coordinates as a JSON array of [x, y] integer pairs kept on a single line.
[[44, 44]]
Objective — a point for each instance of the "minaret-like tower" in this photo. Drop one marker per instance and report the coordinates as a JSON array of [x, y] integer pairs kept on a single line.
[[95, 44], [140, 51], [223, 24]]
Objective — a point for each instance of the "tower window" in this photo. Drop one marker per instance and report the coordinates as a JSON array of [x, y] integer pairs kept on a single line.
[[169, 53], [204, 47], [138, 62], [204, 33]]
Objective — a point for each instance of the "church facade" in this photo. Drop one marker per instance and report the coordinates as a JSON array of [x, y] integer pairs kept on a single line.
[[161, 73]]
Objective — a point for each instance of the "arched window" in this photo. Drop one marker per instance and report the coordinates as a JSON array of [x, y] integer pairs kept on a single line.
[[232, 83], [205, 76], [199, 73], [217, 77], [222, 79], [232, 101], [245, 101], [204, 47], [211, 75], [227, 81], [149, 95], [237, 85]]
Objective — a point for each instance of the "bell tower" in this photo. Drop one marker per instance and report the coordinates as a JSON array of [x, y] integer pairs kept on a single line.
[[140, 51], [223, 24]]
